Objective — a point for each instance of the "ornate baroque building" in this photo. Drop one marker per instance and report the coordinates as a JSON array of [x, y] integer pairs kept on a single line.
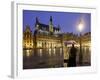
[[27, 38], [44, 36]]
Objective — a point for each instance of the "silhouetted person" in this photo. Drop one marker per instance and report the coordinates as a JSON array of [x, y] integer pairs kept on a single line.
[[72, 57]]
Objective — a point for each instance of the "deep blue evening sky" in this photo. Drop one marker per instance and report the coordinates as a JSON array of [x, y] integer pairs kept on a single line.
[[68, 21]]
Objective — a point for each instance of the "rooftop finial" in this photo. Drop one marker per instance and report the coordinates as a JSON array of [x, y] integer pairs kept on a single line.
[[51, 18], [37, 21]]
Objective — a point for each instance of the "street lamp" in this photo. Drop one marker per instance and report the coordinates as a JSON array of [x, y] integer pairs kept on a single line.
[[80, 27]]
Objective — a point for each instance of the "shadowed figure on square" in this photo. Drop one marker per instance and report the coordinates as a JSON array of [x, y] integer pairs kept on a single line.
[[72, 57]]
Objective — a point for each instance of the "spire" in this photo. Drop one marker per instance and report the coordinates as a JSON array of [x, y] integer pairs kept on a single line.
[[50, 18], [37, 21], [59, 27], [50, 25]]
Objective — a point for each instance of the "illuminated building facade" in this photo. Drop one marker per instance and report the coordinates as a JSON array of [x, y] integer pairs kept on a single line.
[[27, 38], [44, 37]]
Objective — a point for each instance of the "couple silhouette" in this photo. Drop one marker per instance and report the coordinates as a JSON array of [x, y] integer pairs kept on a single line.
[[72, 57]]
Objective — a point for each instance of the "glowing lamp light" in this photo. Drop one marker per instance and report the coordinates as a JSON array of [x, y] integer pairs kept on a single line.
[[80, 26]]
